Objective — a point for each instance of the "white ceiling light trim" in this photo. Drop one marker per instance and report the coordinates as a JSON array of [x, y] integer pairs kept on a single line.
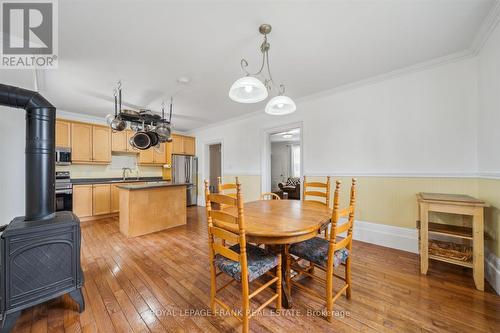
[[249, 89], [280, 105]]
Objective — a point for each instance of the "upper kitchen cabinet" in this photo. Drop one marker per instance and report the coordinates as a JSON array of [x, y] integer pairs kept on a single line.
[[89, 143], [63, 134], [183, 145], [189, 145], [81, 143], [119, 141], [155, 156], [160, 155], [146, 156], [101, 144]]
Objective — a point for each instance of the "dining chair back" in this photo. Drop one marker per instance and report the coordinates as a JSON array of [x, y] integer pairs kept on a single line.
[[241, 261], [269, 196], [316, 191], [228, 188], [327, 254]]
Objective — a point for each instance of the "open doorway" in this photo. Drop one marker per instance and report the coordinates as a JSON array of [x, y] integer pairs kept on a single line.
[[285, 168], [215, 165]]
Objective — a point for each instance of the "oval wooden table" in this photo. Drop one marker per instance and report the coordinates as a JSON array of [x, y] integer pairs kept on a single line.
[[280, 222]]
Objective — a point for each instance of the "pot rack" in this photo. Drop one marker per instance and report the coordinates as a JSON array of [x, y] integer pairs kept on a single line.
[[143, 116]]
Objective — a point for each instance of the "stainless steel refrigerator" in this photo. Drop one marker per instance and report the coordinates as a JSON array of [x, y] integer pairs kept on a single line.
[[185, 170]]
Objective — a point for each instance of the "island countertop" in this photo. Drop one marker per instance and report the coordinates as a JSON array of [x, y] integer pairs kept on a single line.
[[150, 185]]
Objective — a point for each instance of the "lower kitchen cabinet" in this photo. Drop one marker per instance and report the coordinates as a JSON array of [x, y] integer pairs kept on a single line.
[[101, 199], [115, 198], [82, 200], [96, 200]]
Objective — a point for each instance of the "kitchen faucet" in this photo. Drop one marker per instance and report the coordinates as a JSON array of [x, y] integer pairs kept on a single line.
[[125, 172]]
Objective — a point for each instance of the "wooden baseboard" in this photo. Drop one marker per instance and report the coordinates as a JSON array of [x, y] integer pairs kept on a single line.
[[98, 217]]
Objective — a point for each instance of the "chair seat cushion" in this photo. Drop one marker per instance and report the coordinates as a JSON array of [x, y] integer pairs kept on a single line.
[[316, 251], [259, 261]]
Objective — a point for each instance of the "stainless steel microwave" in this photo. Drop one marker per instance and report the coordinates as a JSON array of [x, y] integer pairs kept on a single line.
[[63, 156]]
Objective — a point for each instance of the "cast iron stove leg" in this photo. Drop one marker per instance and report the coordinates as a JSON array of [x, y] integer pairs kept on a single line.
[[77, 296], [9, 321]]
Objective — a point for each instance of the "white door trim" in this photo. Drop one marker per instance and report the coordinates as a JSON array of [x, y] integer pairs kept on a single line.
[[265, 168], [206, 160]]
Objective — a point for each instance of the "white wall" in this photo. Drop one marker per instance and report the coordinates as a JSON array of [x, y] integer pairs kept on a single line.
[[489, 105], [12, 136], [421, 122]]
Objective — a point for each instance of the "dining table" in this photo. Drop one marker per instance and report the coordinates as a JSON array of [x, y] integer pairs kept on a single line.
[[277, 223]]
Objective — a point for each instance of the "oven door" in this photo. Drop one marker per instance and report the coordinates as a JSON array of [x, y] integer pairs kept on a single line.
[[64, 200]]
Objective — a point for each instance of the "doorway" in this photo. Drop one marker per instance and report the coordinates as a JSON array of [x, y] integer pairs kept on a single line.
[[286, 163], [214, 165]]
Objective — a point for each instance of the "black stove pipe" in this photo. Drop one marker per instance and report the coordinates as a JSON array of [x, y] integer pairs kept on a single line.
[[40, 149]]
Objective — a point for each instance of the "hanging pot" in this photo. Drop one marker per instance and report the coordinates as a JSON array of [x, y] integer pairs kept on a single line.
[[163, 131], [141, 140], [118, 124], [154, 138]]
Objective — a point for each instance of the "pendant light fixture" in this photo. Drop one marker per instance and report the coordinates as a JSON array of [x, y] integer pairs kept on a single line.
[[249, 89]]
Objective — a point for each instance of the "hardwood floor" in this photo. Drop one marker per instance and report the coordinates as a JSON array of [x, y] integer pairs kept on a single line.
[[160, 283]]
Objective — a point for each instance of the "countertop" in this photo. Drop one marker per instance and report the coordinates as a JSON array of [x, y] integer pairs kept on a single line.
[[151, 185], [86, 181]]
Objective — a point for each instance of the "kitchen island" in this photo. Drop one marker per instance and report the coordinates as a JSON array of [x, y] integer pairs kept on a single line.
[[151, 207]]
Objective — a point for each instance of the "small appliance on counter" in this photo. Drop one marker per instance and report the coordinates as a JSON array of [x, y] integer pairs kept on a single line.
[[185, 170], [63, 156], [64, 191]]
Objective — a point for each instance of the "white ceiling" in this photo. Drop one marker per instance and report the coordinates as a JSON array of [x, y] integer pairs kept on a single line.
[[315, 46]]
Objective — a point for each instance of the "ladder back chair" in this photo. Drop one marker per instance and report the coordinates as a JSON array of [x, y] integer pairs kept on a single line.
[[326, 254], [228, 188], [269, 196], [242, 262], [317, 192]]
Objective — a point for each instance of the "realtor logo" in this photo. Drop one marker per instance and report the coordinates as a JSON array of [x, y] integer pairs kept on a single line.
[[29, 34]]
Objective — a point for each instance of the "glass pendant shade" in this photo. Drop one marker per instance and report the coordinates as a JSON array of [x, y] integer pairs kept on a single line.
[[248, 90], [280, 105]]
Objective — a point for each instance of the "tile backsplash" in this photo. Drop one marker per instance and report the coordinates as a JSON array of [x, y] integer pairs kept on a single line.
[[111, 170]]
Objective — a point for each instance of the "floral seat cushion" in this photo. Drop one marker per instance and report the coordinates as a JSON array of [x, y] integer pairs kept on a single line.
[[316, 251], [259, 261]]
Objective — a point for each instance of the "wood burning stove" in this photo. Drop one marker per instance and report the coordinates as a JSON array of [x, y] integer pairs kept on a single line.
[[39, 252]]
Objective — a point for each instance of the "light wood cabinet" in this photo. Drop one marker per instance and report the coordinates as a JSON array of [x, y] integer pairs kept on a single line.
[[160, 157], [63, 134], [183, 145], [146, 156], [115, 198], [101, 199], [153, 156], [177, 144], [90, 143], [81, 142], [119, 141], [189, 145], [82, 200], [101, 144]]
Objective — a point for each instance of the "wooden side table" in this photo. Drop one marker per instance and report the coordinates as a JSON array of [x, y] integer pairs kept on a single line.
[[453, 204]]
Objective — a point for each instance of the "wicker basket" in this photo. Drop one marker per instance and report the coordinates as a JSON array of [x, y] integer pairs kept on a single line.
[[450, 250]]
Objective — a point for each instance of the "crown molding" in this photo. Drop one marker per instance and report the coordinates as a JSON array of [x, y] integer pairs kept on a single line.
[[487, 27], [419, 67]]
